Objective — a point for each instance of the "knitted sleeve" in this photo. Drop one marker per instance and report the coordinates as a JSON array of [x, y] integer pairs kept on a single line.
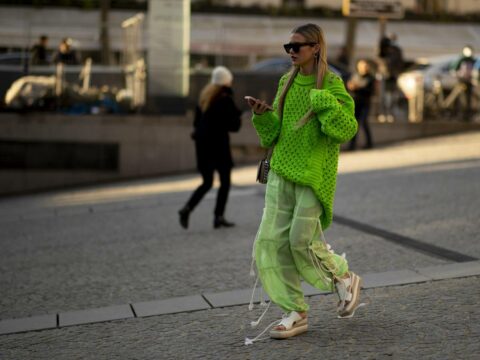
[[267, 125], [335, 109]]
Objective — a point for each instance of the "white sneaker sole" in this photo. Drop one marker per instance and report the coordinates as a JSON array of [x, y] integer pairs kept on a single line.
[[297, 329]]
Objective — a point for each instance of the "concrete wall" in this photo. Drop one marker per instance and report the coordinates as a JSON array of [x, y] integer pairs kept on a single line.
[[150, 145]]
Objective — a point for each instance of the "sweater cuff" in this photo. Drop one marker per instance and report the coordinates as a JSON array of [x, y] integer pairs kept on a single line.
[[322, 99], [262, 119]]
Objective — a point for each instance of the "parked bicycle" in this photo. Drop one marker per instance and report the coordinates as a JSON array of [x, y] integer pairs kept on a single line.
[[454, 105]]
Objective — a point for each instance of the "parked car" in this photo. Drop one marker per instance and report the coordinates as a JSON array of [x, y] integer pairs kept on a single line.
[[433, 90], [14, 58], [425, 72]]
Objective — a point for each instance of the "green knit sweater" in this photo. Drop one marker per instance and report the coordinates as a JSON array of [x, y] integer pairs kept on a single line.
[[309, 155]]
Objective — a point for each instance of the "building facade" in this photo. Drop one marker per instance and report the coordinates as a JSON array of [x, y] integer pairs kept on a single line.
[[422, 6]]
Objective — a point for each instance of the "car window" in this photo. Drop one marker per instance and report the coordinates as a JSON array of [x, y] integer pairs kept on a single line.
[[447, 66]]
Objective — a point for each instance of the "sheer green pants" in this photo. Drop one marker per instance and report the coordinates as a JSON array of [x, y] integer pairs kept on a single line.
[[290, 245]]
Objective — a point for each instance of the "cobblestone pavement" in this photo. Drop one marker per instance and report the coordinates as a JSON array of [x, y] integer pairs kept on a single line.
[[435, 320], [78, 261], [121, 243]]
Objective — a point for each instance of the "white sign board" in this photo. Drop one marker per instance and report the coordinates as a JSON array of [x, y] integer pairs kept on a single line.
[[390, 9]]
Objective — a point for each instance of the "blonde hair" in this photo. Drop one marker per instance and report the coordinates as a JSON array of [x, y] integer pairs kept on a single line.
[[312, 33], [208, 94]]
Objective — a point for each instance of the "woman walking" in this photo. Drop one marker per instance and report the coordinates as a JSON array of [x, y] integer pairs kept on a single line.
[[216, 115], [312, 115]]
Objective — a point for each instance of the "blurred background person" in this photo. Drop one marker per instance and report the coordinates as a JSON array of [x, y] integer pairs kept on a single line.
[[362, 86], [215, 116], [390, 67], [66, 54], [464, 70], [39, 51]]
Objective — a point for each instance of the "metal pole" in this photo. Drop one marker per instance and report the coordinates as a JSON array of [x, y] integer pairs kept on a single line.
[[382, 22], [350, 40], [104, 38]]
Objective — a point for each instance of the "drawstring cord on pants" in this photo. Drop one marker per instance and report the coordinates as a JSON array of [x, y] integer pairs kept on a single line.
[[255, 323], [322, 267], [263, 303]]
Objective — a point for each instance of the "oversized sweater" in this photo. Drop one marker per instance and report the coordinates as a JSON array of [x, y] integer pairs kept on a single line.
[[309, 155]]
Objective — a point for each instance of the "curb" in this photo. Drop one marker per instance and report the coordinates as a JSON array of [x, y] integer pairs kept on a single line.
[[208, 301]]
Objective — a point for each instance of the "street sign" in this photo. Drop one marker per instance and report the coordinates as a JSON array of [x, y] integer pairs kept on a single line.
[[389, 9]]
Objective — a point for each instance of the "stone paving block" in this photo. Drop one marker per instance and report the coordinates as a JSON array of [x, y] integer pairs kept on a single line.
[[390, 278], [170, 306], [242, 297], [309, 290], [28, 324], [38, 215], [75, 210], [232, 298], [9, 217], [450, 271], [88, 316]]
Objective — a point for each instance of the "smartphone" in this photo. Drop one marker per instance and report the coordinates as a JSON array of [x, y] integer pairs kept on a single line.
[[251, 100]]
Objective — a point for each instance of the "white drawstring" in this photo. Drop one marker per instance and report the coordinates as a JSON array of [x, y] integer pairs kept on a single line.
[[254, 324], [317, 266], [249, 341], [250, 305], [252, 271], [262, 298]]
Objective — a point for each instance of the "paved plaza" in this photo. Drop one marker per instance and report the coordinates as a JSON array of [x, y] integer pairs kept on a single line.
[[104, 272]]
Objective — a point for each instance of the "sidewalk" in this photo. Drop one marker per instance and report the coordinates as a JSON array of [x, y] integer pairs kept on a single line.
[[407, 217], [433, 320]]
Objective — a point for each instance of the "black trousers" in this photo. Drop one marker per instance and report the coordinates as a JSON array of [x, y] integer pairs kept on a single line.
[[361, 114], [222, 195]]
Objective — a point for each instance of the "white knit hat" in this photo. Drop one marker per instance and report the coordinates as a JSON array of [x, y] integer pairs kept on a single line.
[[221, 76]]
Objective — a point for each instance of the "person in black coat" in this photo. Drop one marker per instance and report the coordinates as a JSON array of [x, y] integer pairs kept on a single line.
[[362, 87], [39, 51], [216, 115], [65, 53]]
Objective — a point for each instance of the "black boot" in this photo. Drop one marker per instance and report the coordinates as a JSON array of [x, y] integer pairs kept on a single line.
[[220, 221], [184, 215]]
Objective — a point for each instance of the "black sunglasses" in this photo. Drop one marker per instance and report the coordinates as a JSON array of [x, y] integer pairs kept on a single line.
[[296, 46]]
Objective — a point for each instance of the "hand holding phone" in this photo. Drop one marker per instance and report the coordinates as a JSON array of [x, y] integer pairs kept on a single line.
[[258, 106]]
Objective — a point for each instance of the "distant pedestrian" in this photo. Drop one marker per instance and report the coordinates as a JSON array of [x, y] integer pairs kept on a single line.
[[39, 51], [216, 115], [311, 115], [362, 87], [464, 69], [390, 67], [66, 54]]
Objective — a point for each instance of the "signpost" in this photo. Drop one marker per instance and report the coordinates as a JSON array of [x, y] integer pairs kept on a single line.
[[389, 9]]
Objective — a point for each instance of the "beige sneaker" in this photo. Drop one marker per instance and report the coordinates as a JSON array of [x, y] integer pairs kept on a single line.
[[293, 323], [348, 291]]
